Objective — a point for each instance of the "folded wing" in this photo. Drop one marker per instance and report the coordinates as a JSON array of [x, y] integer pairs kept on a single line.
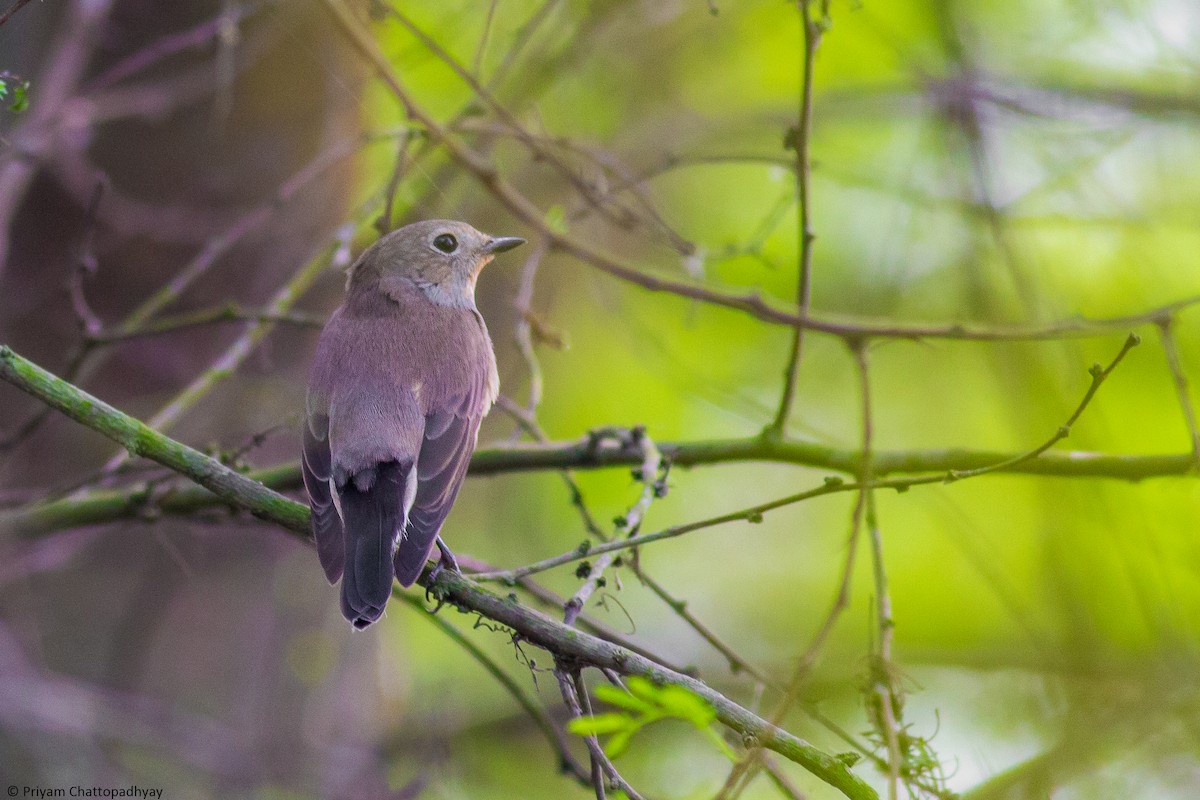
[[449, 440]]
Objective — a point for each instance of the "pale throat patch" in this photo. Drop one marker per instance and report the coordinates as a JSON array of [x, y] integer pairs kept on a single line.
[[453, 293]]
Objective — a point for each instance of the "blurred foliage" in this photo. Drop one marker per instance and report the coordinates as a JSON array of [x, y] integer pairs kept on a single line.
[[14, 92], [994, 162]]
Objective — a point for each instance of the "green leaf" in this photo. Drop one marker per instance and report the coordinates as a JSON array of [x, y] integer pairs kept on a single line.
[[644, 688], [556, 219], [20, 97], [683, 703], [616, 696], [618, 743], [601, 723]]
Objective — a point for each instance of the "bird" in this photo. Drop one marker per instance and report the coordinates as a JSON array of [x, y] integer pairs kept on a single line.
[[402, 376]]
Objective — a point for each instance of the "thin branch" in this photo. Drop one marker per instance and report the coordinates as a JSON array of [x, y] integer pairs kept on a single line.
[[679, 606], [1099, 375], [651, 463], [800, 141], [753, 304], [568, 645], [230, 312], [886, 700], [1167, 337], [574, 711], [166, 46], [621, 216], [13, 9], [385, 222]]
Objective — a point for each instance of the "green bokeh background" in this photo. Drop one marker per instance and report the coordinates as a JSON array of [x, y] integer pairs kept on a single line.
[[986, 162]]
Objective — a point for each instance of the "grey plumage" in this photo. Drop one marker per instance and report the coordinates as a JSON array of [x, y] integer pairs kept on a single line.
[[403, 374]]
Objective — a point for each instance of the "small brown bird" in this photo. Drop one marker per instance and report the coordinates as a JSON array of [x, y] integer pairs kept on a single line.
[[403, 374]]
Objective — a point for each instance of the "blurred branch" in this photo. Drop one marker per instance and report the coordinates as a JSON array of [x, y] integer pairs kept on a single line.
[[230, 312], [883, 697], [86, 357], [753, 304], [554, 736], [109, 506], [799, 139], [338, 255], [169, 45], [1167, 337], [38, 130], [866, 481], [565, 643], [13, 9]]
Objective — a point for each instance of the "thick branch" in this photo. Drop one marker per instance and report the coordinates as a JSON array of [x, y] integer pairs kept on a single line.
[[565, 643], [141, 440]]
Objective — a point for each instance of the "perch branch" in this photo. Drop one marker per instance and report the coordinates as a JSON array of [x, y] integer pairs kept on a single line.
[[563, 642]]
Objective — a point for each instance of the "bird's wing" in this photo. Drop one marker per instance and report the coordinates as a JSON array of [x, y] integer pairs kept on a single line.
[[326, 521], [449, 440]]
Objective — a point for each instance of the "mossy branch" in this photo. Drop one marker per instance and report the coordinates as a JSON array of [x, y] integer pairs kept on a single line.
[[107, 506], [565, 643]]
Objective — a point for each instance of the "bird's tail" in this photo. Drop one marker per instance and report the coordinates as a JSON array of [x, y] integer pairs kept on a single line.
[[372, 504]]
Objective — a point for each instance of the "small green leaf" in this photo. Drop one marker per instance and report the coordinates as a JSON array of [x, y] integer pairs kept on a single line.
[[618, 743], [687, 705], [644, 688], [556, 219], [20, 96], [616, 696], [601, 723]]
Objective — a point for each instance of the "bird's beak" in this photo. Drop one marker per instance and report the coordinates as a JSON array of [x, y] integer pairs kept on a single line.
[[502, 243]]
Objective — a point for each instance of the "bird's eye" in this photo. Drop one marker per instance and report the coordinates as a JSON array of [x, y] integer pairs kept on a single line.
[[446, 243]]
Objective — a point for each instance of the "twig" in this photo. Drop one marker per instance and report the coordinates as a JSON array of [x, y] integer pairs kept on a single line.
[[886, 699], [575, 711], [753, 304], [166, 46], [230, 312], [799, 141], [384, 223], [621, 217], [651, 462], [1099, 375], [85, 267], [736, 662], [574, 692], [13, 9], [1167, 337]]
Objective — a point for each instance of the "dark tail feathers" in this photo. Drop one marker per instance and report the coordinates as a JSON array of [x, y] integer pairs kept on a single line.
[[373, 511]]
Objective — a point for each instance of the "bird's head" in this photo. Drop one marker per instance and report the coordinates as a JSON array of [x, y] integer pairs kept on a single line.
[[441, 257]]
